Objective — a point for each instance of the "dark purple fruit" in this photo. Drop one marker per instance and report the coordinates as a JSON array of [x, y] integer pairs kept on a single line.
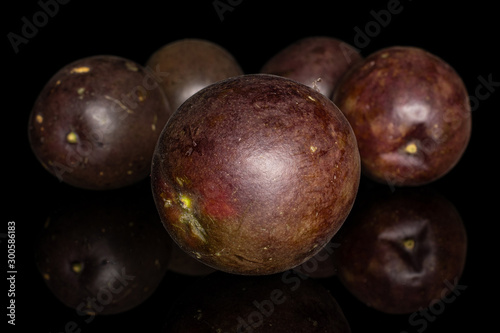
[[105, 253], [276, 303], [255, 174], [318, 62], [96, 122], [187, 65], [410, 112], [400, 252]]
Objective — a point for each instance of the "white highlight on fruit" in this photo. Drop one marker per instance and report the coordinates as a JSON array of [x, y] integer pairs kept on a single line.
[[415, 112], [99, 115], [266, 165]]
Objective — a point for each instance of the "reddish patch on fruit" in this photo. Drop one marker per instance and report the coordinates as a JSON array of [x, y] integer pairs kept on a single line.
[[216, 201]]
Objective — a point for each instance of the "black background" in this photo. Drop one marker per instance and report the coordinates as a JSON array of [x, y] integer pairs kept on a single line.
[[463, 34]]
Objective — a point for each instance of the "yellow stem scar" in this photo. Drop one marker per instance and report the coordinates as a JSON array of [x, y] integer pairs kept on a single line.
[[72, 137], [411, 148]]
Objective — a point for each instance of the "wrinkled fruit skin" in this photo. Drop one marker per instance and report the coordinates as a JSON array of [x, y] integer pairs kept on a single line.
[[410, 112], [401, 251], [95, 123], [278, 303], [188, 65], [255, 174], [318, 62], [104, 254]]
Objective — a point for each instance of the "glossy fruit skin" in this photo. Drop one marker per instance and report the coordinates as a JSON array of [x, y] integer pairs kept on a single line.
[[400, 251], [95, 123], [316, 61], [410, 112], [104, 252], [255, 174], [277, 303], [190, 64]]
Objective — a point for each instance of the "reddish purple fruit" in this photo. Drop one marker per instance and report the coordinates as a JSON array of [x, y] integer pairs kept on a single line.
[[318, 62], [96, 122], [410, 112], [255, 174], [188, 65]]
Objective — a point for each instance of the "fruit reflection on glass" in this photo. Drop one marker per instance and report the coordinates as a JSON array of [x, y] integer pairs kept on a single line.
[[105, 252], [400, 251], [285, 302]]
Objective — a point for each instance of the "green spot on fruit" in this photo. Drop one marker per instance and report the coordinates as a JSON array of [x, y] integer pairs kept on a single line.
[[72, 137]]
